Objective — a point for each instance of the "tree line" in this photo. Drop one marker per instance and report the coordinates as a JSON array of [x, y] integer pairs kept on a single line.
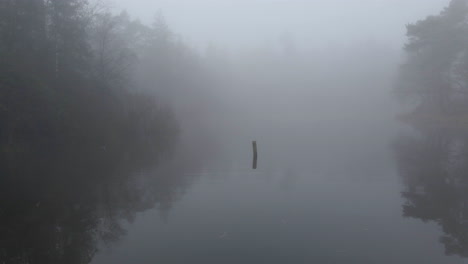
[[88, 106], [435, 73], [73, 75], [433, 164]]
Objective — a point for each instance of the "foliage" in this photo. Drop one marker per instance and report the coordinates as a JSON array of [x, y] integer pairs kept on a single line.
[[437, 51], [66, 80]]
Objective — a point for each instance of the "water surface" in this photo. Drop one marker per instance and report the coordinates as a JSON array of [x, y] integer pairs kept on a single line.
[[324, 197]]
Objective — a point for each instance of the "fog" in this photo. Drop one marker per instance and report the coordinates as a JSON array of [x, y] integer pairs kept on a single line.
[[315, 23], [128, 126], [280, 71]]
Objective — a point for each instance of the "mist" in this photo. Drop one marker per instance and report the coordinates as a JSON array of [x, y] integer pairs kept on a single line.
[[128, 126], [238, 24]]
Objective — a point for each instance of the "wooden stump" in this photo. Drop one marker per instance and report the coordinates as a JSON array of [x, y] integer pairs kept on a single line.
[[254, 164]]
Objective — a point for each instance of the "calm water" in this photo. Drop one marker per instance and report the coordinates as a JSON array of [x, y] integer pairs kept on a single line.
[[374, 192], [366, 197]]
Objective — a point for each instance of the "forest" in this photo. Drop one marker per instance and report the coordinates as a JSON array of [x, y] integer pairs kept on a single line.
[[82, 116], [68, 79]]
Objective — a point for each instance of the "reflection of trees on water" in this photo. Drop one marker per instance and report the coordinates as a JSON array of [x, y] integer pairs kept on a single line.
[[434, 167], [58, 209]]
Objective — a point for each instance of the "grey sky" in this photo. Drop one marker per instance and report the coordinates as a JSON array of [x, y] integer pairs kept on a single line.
[[237, 23]]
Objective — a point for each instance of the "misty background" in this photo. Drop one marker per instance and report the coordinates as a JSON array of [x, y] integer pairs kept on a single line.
[[258, 23]]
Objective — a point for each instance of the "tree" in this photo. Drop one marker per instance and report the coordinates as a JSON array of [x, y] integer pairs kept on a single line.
[[114, 42], [435, 46], [67, 33]]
